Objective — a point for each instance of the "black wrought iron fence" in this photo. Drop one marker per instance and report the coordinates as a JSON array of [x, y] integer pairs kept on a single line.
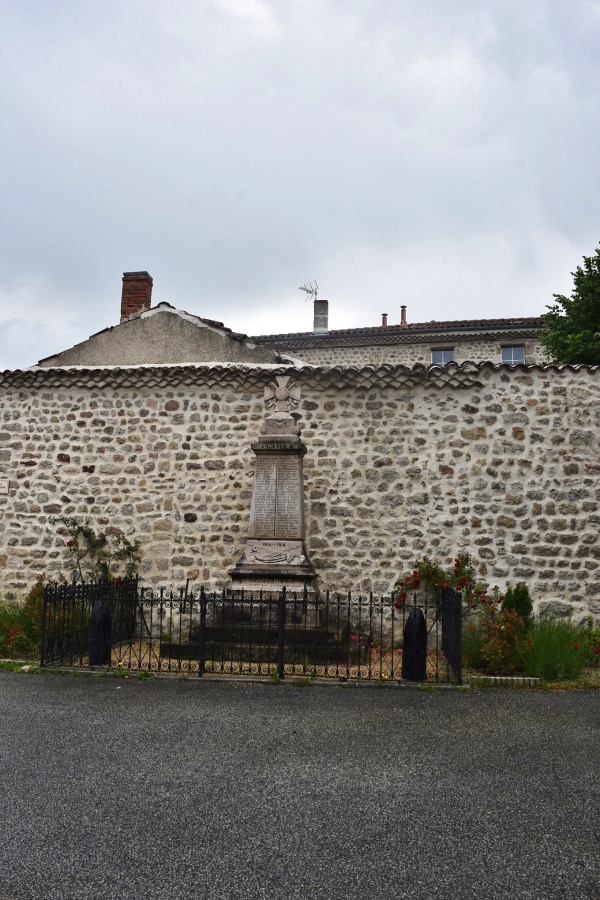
[[338, 636], [67, 615]]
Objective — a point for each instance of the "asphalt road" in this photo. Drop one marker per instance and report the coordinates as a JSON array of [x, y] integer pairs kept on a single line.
[[167, 789]]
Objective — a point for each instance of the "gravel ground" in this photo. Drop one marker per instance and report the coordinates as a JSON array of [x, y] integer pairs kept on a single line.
[[166, 788]]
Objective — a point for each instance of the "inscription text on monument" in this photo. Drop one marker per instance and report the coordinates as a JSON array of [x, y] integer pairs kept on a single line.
[[277, 501], [288, 499]]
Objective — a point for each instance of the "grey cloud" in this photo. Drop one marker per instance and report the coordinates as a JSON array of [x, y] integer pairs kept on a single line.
[[237, 148]]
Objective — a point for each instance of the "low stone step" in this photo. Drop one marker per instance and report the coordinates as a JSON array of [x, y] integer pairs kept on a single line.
[[266, 652]]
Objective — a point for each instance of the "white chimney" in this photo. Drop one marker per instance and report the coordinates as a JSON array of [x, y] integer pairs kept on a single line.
[[321, 321]]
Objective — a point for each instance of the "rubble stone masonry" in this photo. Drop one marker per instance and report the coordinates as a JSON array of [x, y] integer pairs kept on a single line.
[[409, 354], [498, 461]]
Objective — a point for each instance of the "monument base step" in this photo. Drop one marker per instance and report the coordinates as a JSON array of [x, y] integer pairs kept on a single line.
[[297, 654]]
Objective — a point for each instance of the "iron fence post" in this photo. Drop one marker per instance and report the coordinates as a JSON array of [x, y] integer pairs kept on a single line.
[[281, 635], [202, 648], [459, 639], [43, 637], [135, 604]]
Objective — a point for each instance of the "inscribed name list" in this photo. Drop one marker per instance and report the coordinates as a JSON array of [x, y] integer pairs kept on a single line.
[[262, 512], [288, 508], [277, 503]]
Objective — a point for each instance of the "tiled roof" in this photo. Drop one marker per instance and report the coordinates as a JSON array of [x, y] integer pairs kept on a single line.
[[456, 325]]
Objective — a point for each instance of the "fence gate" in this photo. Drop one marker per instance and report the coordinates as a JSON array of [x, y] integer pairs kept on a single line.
[[67, 611], [451, 612]]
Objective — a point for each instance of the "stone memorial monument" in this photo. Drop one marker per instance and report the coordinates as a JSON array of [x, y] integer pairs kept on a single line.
[[275, 555]]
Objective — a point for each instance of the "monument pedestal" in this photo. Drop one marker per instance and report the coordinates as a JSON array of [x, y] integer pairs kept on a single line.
[[275, 554], [265, 567]]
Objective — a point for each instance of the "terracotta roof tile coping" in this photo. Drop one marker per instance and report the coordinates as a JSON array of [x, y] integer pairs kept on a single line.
[[466, 366], [217, 364]]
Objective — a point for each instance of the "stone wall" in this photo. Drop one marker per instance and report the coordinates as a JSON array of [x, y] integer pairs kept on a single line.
[[499, 461], [410, 354]]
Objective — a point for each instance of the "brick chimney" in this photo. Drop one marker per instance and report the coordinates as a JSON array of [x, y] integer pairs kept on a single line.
[[137, 293], [321, 320], [403, 323], [384, 320]]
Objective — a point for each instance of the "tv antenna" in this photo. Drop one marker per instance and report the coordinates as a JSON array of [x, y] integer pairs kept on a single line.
[[311, 289]]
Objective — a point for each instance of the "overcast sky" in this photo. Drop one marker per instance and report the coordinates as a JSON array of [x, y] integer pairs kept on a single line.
[[439, 154]]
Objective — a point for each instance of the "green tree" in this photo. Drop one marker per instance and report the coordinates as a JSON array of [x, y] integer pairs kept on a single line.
[[518, 599], [572, 330]]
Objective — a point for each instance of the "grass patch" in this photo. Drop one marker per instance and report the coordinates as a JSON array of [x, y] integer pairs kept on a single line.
[[10, 666], [556, 650], [14, 665]]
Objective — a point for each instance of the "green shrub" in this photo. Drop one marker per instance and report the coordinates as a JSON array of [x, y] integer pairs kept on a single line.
[[34, 607], [462, 576], [518, 599], [499, 643], [21, 623], [471, 647], [555, 650], [590, 640], [16, 633], [502, 640]]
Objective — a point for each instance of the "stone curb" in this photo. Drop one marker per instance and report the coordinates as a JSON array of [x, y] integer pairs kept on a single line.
[[503, 681], [473, 681], [248, 679]]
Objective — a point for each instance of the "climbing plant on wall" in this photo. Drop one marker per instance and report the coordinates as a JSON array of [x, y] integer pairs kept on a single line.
[[96, 555]]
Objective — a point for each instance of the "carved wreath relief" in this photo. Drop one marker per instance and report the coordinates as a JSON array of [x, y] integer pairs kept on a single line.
[[282, 396]]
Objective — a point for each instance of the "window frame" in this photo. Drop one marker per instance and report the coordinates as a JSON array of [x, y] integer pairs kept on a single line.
[[443, 364], [512, 362]]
